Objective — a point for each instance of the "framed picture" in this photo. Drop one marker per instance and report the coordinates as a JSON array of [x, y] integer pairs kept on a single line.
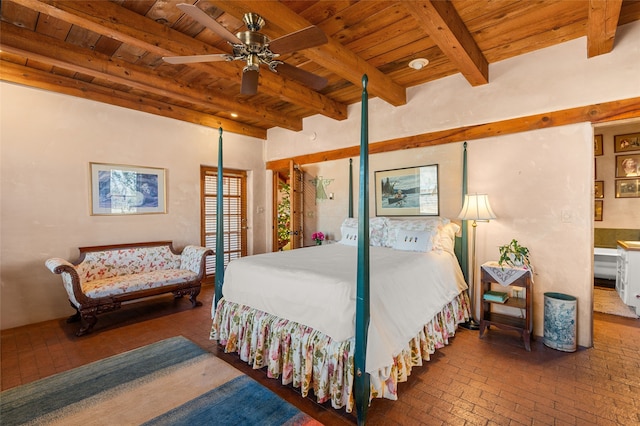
[[627, 165], [597, 145], [412, 191], [628, 142], [599, 189], [627, 188], [598, 210], [122, 190]]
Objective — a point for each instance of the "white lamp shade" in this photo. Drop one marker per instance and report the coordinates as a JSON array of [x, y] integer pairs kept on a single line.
[[476, 207]]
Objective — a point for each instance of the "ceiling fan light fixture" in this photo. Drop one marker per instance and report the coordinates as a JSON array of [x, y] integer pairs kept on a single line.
[[419, 63]]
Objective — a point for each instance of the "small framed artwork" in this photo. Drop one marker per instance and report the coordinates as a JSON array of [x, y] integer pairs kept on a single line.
[[412, 191], [627, 188], [599, 189], [597, 145], [121, 190], [627, 165], [628, 142], [598, 210]]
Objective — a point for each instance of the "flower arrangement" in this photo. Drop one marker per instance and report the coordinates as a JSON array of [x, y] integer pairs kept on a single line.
[[318, 237]]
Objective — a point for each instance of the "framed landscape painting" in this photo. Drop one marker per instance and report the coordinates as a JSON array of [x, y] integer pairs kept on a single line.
[[627, 188], [412, 191], [122, 190]]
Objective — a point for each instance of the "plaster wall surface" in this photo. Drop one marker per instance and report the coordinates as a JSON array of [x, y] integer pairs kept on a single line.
[[47, 143]]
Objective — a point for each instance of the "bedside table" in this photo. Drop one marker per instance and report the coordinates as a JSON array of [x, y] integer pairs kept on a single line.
[[506, 277]]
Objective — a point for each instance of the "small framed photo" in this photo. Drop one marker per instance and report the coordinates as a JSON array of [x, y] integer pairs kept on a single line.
[[412, 191], [598, 210], [628, 142], [599, 189], [123, 190], [627, 165], [627, 188], [597, 145]]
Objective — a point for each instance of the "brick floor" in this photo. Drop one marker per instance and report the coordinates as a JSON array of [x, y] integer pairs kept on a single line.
[[489, 381]]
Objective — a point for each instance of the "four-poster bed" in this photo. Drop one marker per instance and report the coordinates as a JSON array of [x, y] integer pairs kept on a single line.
[[294, 313]]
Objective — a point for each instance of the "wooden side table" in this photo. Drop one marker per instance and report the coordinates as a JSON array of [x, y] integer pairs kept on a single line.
[[511, 277]]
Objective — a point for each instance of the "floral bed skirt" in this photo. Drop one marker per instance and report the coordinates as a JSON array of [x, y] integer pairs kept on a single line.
[[308, 359]]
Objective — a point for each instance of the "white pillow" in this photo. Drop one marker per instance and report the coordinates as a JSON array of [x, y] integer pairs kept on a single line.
[[378, 228], [409, 240], [349, 235], [429, 224], [446, 238]]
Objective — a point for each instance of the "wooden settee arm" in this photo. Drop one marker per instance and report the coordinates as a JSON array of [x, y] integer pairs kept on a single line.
[[194, 259], [70, 278]]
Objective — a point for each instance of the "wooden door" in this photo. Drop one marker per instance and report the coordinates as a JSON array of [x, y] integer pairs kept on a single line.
[[235, 215], [296, 176]]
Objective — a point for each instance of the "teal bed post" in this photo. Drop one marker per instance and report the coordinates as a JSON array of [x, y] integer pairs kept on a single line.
[[462, 246], [219, 227], [362, 387], [350, 187]]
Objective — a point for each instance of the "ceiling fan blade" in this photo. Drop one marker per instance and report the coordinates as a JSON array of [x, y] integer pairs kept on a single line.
[[305, 77], [201, 16], [217, 57], [302, 39], [249, 82]]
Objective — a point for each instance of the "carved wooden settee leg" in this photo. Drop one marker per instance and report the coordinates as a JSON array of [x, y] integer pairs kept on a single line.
[[89, 319], [193, 296], [75, 317]]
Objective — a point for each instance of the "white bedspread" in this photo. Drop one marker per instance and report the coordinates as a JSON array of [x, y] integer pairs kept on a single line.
[[316, 287]]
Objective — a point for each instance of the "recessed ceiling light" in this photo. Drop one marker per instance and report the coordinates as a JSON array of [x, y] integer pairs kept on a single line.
[[419, 63], [234, 115]]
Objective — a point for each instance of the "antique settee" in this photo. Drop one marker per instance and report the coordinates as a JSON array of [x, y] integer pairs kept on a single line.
[[105, 276]]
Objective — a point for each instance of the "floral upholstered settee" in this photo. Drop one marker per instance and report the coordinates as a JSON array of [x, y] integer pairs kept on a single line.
[[105, 276]]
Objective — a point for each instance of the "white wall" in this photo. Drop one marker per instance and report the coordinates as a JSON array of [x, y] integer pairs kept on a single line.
[[540, 182], [48, 140]]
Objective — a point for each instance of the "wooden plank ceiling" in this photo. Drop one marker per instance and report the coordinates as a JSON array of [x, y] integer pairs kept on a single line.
[[111, 51]]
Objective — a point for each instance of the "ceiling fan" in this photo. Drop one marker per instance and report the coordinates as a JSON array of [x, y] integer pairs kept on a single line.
[[256, 48]]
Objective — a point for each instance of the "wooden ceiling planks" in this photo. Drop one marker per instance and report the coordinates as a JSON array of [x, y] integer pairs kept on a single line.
[[131, 36]]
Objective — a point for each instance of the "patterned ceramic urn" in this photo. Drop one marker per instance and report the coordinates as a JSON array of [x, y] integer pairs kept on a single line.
[[560, 321]]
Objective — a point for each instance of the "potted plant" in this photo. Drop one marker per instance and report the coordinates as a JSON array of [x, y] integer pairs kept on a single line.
[[513, 254]]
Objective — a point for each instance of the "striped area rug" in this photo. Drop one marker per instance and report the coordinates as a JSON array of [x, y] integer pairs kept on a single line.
[[172, 382]]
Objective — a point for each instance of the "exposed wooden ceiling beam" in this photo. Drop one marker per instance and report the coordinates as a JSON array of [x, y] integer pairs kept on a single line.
[[119, 23], [54, 52], [595, 113], [333, 56], [440, 21], [56, 83], [602, 22]]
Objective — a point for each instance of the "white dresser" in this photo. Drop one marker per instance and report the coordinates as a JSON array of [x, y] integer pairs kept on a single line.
[[628, 273]]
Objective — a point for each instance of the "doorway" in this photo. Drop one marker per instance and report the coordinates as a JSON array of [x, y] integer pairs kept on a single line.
[[288, 208]]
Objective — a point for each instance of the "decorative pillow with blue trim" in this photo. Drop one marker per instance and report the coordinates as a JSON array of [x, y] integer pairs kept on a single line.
[[409, 240], [349, 235], [428, 224]]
